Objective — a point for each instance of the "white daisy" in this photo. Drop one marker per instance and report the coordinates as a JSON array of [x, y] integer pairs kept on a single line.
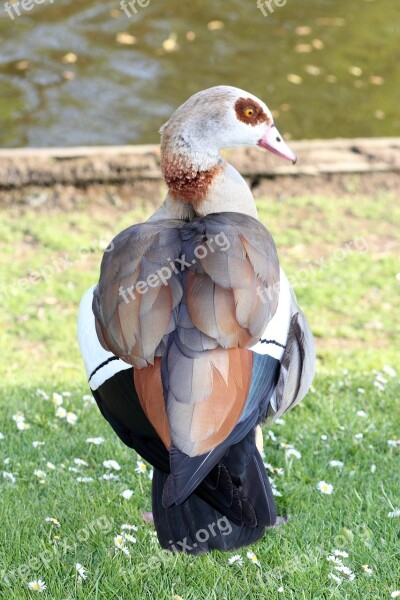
[[9, 476], [367, 570], [2, 436], [293, 452], [334, 559], [84, 479], [108, 476], [325, 488], [394, 443], [324, 437], [128, 527], [22, 425], [389, 371], [61, 412], [57, 399], [18, 417], [395, 594], [362, 413], [341, 553], [236, 559], [373, 468], [66, 394], [130, 538], [361, 390], [42, 394], [52, 521], [253, 558], [37, 444], [119, 543], [141, 467], [127, 494], [71, 418], [359, 436], [39, 473], [337, 464], [38, 585], [79, 461], [394, 513], [111, 464], [95, 440]]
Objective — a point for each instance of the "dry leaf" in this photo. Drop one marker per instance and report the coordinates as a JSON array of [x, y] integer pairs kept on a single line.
[[125, 38], [170, 44], [22, 65], [312, 70], [318, 44], [215, 25], [356, 71], [303, 48], [69, 58], [190, 36], [296, 79], [303, 30], [379, 114], [376, 80]]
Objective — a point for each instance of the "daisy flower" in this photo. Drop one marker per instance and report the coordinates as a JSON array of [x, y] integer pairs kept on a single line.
[[39, 473], [236, 559], [367, 570], [293, 452], [341, 553], [37, 444], [394, 513], [95, 440], [119, 543], [253, 558], [395, 594], [79, 461], [394, 443], [71, 418], [22, 425], [61, 412], [389, 371], [84, 479], [325, 488], [346, 571], [52, 521], [18, 417], [2, 436], [129, 538], [362, 413], [127, 494], [127, 527], [81, 571], [9, 476], [373, 468], [42, 394], [334, 559], [111, 464], [38, 585], [141, 467], [107, 476], [57, 399], [359, 436], [336, 463]]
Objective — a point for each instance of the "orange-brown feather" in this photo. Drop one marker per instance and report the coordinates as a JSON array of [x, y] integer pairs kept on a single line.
[[150, 391]]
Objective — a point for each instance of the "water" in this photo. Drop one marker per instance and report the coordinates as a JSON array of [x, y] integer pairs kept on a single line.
[[327, 68]]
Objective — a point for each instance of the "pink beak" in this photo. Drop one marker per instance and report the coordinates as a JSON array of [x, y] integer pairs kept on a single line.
[[272, 141]]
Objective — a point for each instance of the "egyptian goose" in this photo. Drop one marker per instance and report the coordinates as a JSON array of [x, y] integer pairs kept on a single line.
[[193, 336]]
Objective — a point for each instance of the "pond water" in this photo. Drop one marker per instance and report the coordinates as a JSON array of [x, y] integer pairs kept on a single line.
[[89, 72]]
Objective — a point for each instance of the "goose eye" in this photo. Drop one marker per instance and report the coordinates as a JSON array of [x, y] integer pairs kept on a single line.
[[248, 112]]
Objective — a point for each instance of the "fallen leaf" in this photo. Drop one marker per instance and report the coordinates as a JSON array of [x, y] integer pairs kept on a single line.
[[69, 58], [356, 71], [190, 36], [303, 30], [170, 44], [303, 48], [312, 70], [318, 44], [215, 25], [376, 80], [296, 79], [22, 65], [125, 38]]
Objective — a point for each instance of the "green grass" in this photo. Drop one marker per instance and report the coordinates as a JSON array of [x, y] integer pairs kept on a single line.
[[342, 257]]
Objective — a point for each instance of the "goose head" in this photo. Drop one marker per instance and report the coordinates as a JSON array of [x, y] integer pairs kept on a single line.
[[209, 121]]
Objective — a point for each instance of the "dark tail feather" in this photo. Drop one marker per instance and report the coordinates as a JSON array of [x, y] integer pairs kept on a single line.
[[196, 527]]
